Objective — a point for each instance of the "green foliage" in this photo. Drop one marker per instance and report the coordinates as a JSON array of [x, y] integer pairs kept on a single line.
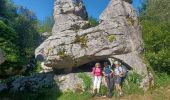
[[86, 79], [19, 35], [156, 11], [38, 67], [111, 38], [93, 22], [131, 83], [161, 80], [82, 40], [8, 42], [155, 29], [103, 90]]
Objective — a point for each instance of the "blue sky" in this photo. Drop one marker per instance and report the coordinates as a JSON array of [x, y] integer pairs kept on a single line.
[[44, 8]]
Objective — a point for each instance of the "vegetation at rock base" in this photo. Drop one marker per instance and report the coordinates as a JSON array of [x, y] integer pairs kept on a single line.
[[131, 83], [86, 79]]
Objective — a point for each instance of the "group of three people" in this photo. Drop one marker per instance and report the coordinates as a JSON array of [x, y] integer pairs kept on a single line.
[[109, 75]]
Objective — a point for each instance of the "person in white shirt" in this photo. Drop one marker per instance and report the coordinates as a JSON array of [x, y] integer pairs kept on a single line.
[[118, 77]]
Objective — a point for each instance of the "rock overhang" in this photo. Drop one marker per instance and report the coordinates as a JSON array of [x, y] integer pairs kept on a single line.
[[118, 35]]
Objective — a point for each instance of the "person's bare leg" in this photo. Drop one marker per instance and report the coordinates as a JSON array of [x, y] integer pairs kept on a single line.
[[116, 88], [94, 91], [98, 89], [120, 89]]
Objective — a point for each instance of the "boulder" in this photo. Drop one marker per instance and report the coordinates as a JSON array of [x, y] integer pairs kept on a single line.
[[2, 58], [117, 36], [35, 82]]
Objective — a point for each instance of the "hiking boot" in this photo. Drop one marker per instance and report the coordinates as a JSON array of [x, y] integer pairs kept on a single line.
[[121, 94], [93, 94], [98, 95]]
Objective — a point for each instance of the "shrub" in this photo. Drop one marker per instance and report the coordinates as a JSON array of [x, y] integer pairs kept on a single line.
[[38, 67], [161, 80], [131, 83], [86, 79], [103, 90]]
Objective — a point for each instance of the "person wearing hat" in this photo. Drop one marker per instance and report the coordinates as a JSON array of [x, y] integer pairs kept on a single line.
[[108, 74], [118, 77]]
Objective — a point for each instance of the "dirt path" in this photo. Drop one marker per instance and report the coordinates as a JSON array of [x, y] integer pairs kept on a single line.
[[157, 94]]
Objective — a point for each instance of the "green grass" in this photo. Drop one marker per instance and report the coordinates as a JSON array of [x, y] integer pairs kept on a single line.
[[161, 80], [75, 96]]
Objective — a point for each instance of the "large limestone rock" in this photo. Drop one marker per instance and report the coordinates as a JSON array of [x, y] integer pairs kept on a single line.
[[35, 82], [2, 58], [71, 45], [67, 14]]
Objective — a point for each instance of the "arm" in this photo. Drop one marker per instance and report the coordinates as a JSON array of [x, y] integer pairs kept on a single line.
[[121, 71]]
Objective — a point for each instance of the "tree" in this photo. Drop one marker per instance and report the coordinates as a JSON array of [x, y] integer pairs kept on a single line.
[[155, 20]]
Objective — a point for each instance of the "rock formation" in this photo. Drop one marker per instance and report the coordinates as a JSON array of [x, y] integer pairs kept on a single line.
[[43, 80], [71, 45], [2, 58]]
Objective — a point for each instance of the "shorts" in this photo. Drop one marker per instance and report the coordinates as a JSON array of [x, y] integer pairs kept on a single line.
[[97, 82], [118, 79]]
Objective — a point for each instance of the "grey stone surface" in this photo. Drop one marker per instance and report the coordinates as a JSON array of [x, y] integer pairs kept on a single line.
[[117, 36], [35, 82], [2, 58]]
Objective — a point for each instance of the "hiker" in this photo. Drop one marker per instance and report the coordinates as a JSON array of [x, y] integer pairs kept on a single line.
[[97, 73], [108, 74], [118, 77]]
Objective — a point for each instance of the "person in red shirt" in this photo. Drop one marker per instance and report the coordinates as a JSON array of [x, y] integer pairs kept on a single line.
[[97, 73]]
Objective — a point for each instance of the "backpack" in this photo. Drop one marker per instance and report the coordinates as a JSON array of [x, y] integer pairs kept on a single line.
[[125, 70]]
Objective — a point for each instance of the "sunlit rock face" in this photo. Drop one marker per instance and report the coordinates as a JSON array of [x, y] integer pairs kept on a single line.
[[74, 42]]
